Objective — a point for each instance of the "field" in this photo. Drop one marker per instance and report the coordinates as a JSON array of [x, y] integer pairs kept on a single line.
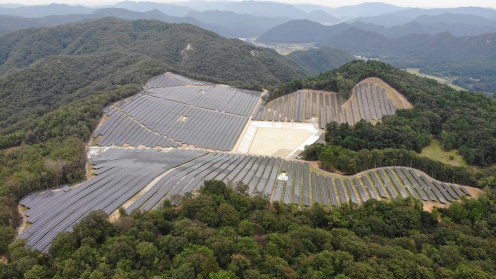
[[435, 152], [443, 80]]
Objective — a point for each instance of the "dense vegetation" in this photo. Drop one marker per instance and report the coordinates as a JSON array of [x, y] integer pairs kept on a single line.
[[468, 57], [459, 119], [321, 59], [223, 233]]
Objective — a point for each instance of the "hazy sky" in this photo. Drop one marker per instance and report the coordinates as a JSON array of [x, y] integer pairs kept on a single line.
[[330, 3]]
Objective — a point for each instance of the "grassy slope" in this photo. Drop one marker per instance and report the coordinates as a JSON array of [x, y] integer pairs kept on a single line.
[[436, 152]]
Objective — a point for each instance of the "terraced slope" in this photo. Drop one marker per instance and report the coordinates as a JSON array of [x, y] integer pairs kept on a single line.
[[371, 99], [141, 179]]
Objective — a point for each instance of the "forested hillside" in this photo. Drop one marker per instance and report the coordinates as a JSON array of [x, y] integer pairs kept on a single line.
[[321, 59], [223, 233]]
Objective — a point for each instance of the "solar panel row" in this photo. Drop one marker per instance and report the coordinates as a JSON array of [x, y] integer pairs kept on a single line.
[[121, 130], [301, 106], [184, 123], [216, 97], [170, 79], [372, 102]]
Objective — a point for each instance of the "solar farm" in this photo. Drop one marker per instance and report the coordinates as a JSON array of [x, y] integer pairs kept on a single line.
[[165, 141]]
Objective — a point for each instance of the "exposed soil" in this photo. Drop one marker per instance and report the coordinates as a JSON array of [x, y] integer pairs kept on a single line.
[[22, 210]]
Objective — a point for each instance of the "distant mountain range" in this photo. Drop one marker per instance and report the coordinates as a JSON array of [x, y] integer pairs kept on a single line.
[[253, 18], [452, 41], [413, 45]]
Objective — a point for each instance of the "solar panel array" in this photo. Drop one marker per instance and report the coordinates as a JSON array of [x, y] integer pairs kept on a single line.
[[122, 175], [119, 129], [169, 80], [176, 110], [216, 97], [368, 101], [301, 106]]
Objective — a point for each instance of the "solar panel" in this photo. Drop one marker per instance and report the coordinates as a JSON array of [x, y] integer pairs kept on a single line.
[[262, 175], [395, 182], [351, 191], [257, 178], [299, 107], [327, 109], [359, 93], [314, 103], [363, 196], [332, 191], [370, 188], [416, 181], [291, 109], [284, 109], [297, 184], [439, 188], [448, 189], [356, 116], [306, 184], [334, 109], [289, 184], [307, 105], [409, 183], [249, 175], [465, 191], [278, 191], [342, 194], [315, 189], [272, 177], [323, 190]]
